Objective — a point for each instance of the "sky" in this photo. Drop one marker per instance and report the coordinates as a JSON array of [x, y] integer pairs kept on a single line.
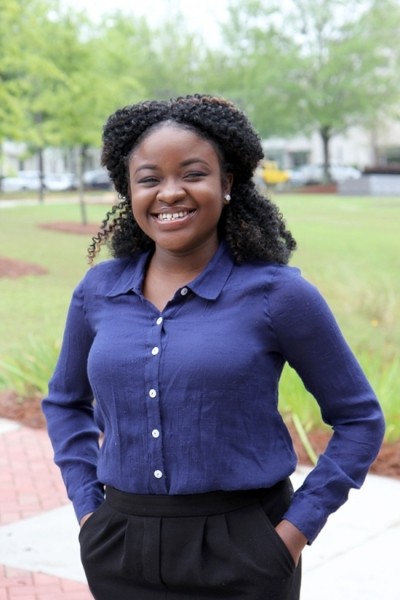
[[201, 15]]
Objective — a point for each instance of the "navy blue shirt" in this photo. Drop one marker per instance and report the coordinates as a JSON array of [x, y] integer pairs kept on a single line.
[[187, 398]]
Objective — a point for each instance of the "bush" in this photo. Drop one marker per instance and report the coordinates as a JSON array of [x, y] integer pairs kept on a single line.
[[28, 373]]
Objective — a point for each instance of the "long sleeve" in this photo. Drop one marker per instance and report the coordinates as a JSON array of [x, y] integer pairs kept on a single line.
[[312, 343], [69, 412]]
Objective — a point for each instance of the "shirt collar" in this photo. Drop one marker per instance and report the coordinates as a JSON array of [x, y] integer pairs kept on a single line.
[[211, 281], [208, 284]]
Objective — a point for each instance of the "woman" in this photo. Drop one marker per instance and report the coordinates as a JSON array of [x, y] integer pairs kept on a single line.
[[173, 351]]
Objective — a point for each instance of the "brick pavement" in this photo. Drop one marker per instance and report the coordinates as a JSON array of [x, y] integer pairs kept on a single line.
[[30, 484]]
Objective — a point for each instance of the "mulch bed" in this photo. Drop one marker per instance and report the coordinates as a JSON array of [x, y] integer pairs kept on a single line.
[[71, 227], [13, 269], [318, 188], [28, 411]]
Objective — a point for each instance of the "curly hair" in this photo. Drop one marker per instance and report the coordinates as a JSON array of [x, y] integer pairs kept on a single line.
[[251, 224]]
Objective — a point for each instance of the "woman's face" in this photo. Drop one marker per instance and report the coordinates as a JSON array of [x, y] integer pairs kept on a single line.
[[177, 190]]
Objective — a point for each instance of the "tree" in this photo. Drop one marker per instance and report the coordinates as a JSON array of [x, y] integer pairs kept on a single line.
[[254, 66], [349, 67], [146, 61], [81, 102], [329, 67], [174, 61], [11, 62], [41, 80]]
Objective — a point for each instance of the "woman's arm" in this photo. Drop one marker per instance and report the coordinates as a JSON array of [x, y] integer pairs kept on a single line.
[[68, 409], [312, 343]]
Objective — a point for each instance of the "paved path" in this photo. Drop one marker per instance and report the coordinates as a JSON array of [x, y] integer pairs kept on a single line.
[[354, 558], [38, 547], [104, 198]]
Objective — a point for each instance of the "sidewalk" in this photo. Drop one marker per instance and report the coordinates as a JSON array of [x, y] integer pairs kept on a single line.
[[39, 553], [354, 558]]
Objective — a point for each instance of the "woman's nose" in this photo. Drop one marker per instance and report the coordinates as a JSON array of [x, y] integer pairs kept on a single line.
[[171, 192]]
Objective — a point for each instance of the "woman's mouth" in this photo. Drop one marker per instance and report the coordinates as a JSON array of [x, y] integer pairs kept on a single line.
[[167, 217]]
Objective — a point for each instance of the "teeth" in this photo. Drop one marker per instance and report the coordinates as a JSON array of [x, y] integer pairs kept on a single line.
[[172, 216]]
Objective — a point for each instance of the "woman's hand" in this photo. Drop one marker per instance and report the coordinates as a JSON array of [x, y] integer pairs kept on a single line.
[[84, 519], [292, 537]]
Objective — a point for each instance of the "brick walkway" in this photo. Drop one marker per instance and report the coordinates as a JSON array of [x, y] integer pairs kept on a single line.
[[30, 484]]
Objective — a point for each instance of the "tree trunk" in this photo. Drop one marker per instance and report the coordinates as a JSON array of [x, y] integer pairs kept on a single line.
[[326, 135], [1, 164], [81, 193], [41, 175]]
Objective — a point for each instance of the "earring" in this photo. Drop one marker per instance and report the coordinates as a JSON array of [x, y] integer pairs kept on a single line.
[[227, 198]]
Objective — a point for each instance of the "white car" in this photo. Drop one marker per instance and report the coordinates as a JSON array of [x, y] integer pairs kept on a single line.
[[30, 181], [309, 174], [24, 181], [59, 182], [97, 179]]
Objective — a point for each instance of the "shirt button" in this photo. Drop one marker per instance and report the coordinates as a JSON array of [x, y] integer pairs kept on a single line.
[[159, 320], [158, 474], [155, 433], [184, 291], [152, 393], [155, 351]]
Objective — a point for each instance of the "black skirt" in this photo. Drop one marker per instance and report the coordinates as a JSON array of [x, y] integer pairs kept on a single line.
[[215, 545]]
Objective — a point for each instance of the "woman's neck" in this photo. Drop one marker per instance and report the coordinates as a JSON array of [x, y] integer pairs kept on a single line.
[[166, 273], [185, 266]]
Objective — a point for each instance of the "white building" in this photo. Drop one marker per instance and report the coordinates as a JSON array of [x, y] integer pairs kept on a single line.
[[16, 157], [357, 147]]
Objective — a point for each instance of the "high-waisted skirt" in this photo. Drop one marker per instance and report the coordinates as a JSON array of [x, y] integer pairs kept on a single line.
[[214, 545]]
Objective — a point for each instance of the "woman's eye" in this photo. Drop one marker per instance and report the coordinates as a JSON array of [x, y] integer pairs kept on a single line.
[[195, 175], [148, 180]]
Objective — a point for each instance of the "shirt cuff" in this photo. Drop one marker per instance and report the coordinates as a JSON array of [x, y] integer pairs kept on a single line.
[[88, 503]]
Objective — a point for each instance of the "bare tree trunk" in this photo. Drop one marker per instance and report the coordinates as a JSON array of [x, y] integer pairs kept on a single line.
[[325, 132], [41, 176], [1, 164], [374, 145], [81, 193]]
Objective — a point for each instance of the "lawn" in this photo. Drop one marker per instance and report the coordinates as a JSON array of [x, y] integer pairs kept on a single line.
[[348, 247], [34, 307]]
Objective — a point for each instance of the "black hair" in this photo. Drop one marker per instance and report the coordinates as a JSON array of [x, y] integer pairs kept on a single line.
[[251, 224]]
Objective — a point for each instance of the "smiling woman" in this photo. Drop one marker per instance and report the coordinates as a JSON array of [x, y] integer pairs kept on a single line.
[[182, 338], [177, 188]]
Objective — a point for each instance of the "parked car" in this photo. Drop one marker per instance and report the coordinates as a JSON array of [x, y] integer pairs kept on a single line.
[[272, 174], [314, 174], [61, 181], [23, 181], [268, 174], [97, 179], [30, 181]]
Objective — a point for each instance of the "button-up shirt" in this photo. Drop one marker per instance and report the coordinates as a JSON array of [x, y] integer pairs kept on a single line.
[[187, 398]]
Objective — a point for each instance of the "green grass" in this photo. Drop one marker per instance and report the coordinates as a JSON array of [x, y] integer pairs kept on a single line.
[[348, 247], [34, 307]]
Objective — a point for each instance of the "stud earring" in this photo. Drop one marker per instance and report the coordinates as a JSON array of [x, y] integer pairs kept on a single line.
[[227, 198]]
